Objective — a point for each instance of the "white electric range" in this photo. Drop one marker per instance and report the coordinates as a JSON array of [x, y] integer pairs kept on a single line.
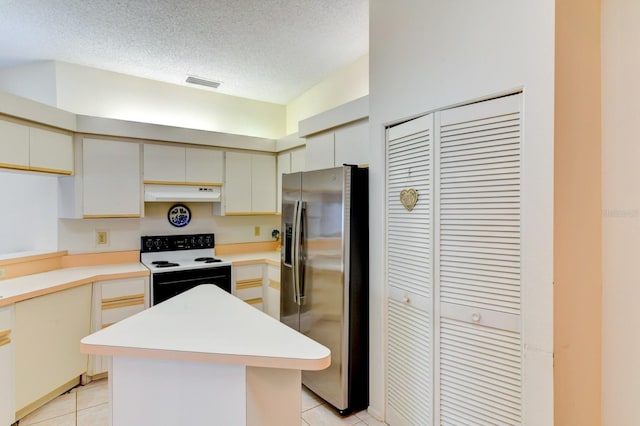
[[181, 262]]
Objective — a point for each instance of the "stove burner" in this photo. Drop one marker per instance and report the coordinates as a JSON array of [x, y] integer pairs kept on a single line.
[[165, 264], [159, 262], [207, 259]]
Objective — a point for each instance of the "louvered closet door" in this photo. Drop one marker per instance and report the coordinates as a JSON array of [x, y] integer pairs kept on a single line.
[[410, 274], [480, 354]]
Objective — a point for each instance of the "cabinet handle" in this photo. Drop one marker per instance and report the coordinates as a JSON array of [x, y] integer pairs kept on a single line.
[[4, 341], [406, 299], [475, 317]]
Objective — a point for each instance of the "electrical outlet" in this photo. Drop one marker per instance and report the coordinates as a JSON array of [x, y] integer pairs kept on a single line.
[[102, 237], [256, 231]]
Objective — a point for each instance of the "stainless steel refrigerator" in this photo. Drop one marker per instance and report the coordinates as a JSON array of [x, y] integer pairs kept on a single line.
[[325, 276]]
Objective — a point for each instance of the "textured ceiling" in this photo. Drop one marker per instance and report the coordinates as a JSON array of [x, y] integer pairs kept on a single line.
[[269, 50]]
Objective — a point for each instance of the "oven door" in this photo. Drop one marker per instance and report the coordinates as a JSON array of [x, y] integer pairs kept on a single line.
[[165, 285]]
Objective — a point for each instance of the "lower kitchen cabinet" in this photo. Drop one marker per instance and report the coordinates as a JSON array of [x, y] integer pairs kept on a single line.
[[248, 283], [48, 361], [272, 292], [7, 410], [115, 300]]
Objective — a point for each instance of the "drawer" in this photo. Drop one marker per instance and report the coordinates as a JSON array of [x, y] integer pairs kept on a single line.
[[110, 316], [249, 272], [273, 273], [126, 287], [249, 292]]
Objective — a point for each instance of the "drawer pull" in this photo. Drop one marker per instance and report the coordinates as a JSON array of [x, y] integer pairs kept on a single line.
[[248, 284], [120, 298], [5, 333], [124, 304], [4, 341], [254, 301]]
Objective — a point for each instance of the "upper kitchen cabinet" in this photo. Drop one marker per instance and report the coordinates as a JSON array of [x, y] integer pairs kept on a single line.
[[288, 162], [338, 136], [250, 184], [25, 147], [168, 164], [347, 144], [107, 183]]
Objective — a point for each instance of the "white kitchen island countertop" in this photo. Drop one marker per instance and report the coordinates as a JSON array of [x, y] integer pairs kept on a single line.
[[207, 324], [205, 357]]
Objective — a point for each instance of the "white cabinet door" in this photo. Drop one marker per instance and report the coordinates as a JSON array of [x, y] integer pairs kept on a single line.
[[410, 273], [48, 330], [113, 301], [50, 151], [271, 304], [479, 260], [351, 144], [14, 145], [248, 283], [250, 184], [237, 185], [111, 182], [164, 163], [283, 166], [297, 160], [319, 151], [204, 166], [263, 184], [7, 365]]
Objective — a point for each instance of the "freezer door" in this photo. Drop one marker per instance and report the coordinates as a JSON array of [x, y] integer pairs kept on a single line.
[[322, 313], [291, 194]]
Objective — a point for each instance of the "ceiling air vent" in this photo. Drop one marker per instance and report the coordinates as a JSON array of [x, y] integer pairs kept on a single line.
[[203, 81]]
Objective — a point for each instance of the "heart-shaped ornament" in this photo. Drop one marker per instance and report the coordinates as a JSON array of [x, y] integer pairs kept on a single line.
[[409, 198]]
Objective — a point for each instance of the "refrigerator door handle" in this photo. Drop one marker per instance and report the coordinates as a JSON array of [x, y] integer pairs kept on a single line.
[[301, 254], [295, 252]]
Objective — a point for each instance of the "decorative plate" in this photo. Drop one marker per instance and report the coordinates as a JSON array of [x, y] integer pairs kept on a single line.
[[179, 215]]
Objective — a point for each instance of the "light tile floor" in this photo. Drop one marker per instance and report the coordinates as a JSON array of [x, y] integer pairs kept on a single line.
[[89, 406]]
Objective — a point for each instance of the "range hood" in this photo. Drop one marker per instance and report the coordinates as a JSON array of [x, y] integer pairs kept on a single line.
[[168, 193]]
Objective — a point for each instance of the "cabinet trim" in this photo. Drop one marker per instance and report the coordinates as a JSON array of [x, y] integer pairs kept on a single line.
[[165, 182], [255, 301], [46, 170], [14, 166], [5, 333], [250, 213], [122, 298], [122, 304], [274, 284], [246, 284], [5, 341], [109, 216]]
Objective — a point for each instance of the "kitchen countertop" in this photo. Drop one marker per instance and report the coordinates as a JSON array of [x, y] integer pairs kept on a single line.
[[206, 324], [17, 289], [271, 257], [14, 290]]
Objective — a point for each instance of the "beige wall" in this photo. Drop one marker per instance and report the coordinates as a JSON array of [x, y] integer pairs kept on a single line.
[[344, 85], [99, 93], [577, 215], [621, 212]]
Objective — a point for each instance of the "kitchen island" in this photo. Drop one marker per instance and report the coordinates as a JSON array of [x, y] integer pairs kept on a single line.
[[205, 357]]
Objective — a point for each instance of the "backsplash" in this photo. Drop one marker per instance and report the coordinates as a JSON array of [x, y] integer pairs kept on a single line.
[[79, 235]]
